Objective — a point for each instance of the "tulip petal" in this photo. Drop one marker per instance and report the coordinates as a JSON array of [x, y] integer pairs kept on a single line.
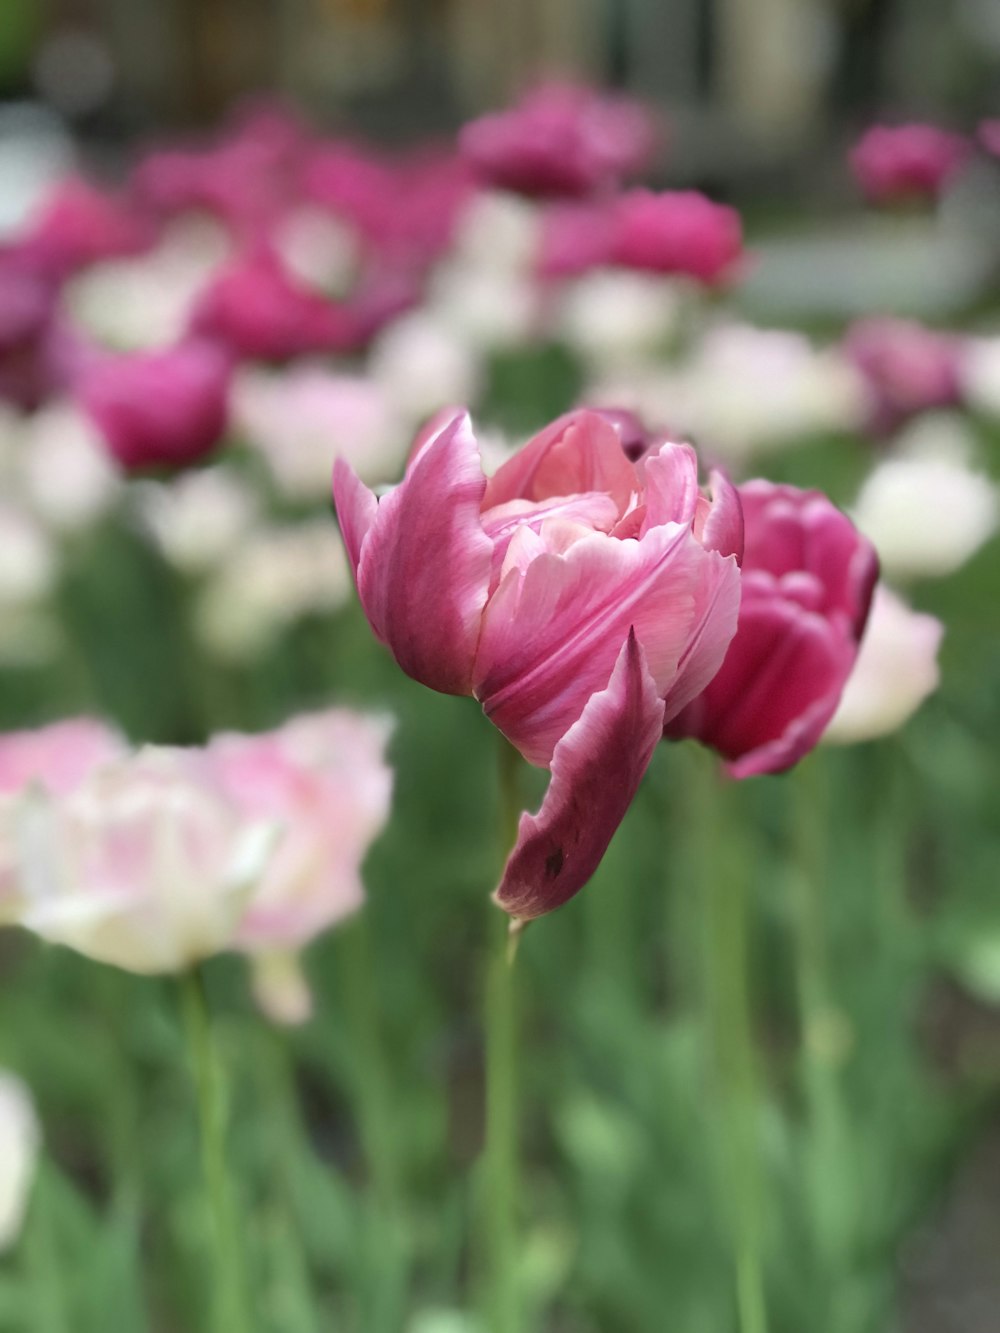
[[356, 508], [596, 770], [552, 628], [723, 526], [423, 570], [579, 452]]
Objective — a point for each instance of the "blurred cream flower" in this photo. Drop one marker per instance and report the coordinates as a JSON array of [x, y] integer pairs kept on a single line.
[[421, 365], [979, 371], [145, 301], [304, 418], [196, 518], [146, 863], [614, 317], [272, 579], [499, 231], [20, 1140], [485, 307], [27, 558], [65, 471], [321, 250], [924, 508], [895, 671]]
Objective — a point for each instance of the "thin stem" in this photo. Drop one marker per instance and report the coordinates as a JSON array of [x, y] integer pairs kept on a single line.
[[230, 1308], [501, 1151], [734, 1061]]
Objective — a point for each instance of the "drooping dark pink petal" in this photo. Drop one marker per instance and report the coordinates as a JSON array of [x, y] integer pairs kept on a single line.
[[596, 770], [423, 566]]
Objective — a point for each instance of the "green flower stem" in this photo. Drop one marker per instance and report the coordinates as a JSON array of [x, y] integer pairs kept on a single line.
[[500, 1164], [722, 894], [230, 1310]]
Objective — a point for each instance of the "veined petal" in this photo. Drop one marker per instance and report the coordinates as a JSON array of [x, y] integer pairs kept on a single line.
[[596, 770], [717, 602], [424, 565], [579, 452], [672, 493], [552, 629], [356, 506], [722, 529]]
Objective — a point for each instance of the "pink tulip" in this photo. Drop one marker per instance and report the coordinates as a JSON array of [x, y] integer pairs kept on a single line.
[[58, 756], [323, 779], [27, 328], [159, 409], [580, 597], [559, 140], [899, 162], [808, 577], [988, 134], [79, 225], [680, 232], [907, 369], [575, 238]]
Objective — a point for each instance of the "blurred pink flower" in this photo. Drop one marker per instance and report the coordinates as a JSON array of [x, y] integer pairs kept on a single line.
[[559, 140], [906, 161], [58, 756], [159, 409], [27, 329], [807, 578], [575, 238], [580, 597], [80, 224], [907, 368], [680, 232], [988, 134]]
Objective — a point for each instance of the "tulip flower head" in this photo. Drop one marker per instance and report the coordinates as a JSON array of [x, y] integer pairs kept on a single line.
[[900, 162], [807, 577], [579, 596]]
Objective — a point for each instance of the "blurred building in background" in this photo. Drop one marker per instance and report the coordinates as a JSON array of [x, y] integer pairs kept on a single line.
[[743, 77]]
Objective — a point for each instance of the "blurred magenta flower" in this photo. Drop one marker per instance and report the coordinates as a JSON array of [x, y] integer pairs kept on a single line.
[[807, 578], [896, 669], [907, 368], [901, 162], [159, 409], [559, 140], [988, 134], [575, 238], [580, 597], [681, 232], [80, 224], [27, 329]]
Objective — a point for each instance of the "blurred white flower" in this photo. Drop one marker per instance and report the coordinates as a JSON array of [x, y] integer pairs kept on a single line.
[[895, 671], [197, 517], [145, 301], [486, 307], [302, 419], [146, 863], [742, 391], [66, 473], [270, 580], [20, 1140], [499, 231], [613, 317], [421, 365], [321, 250], [27, 557], [926, 512], [979, 371]]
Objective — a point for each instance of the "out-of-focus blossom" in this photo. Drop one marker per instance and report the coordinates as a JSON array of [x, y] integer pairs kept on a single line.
[[420, 364], [65, 472], [20, 1140], [807, 579], [576, 238], [742, 391], [499, 232], [324, 780], [27, 331], [896, 669], [613, 317], [486, 307], [146, 863], [146, 302], [302, 418], [901, 162], [988, 134], [260, 311], [159, 409], [680, 232], [578, 597], [198, 518], [28, 562], [980, 374], [559, 140], [319, 250], [267, 583], [57, 757], [907, 368], [80, 224], [926, 511]]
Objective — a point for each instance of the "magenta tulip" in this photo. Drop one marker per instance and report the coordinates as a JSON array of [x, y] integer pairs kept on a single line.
[[902, 162], [159, 409], [907, 369], [580, 597], [680, 232], [808, 577]]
